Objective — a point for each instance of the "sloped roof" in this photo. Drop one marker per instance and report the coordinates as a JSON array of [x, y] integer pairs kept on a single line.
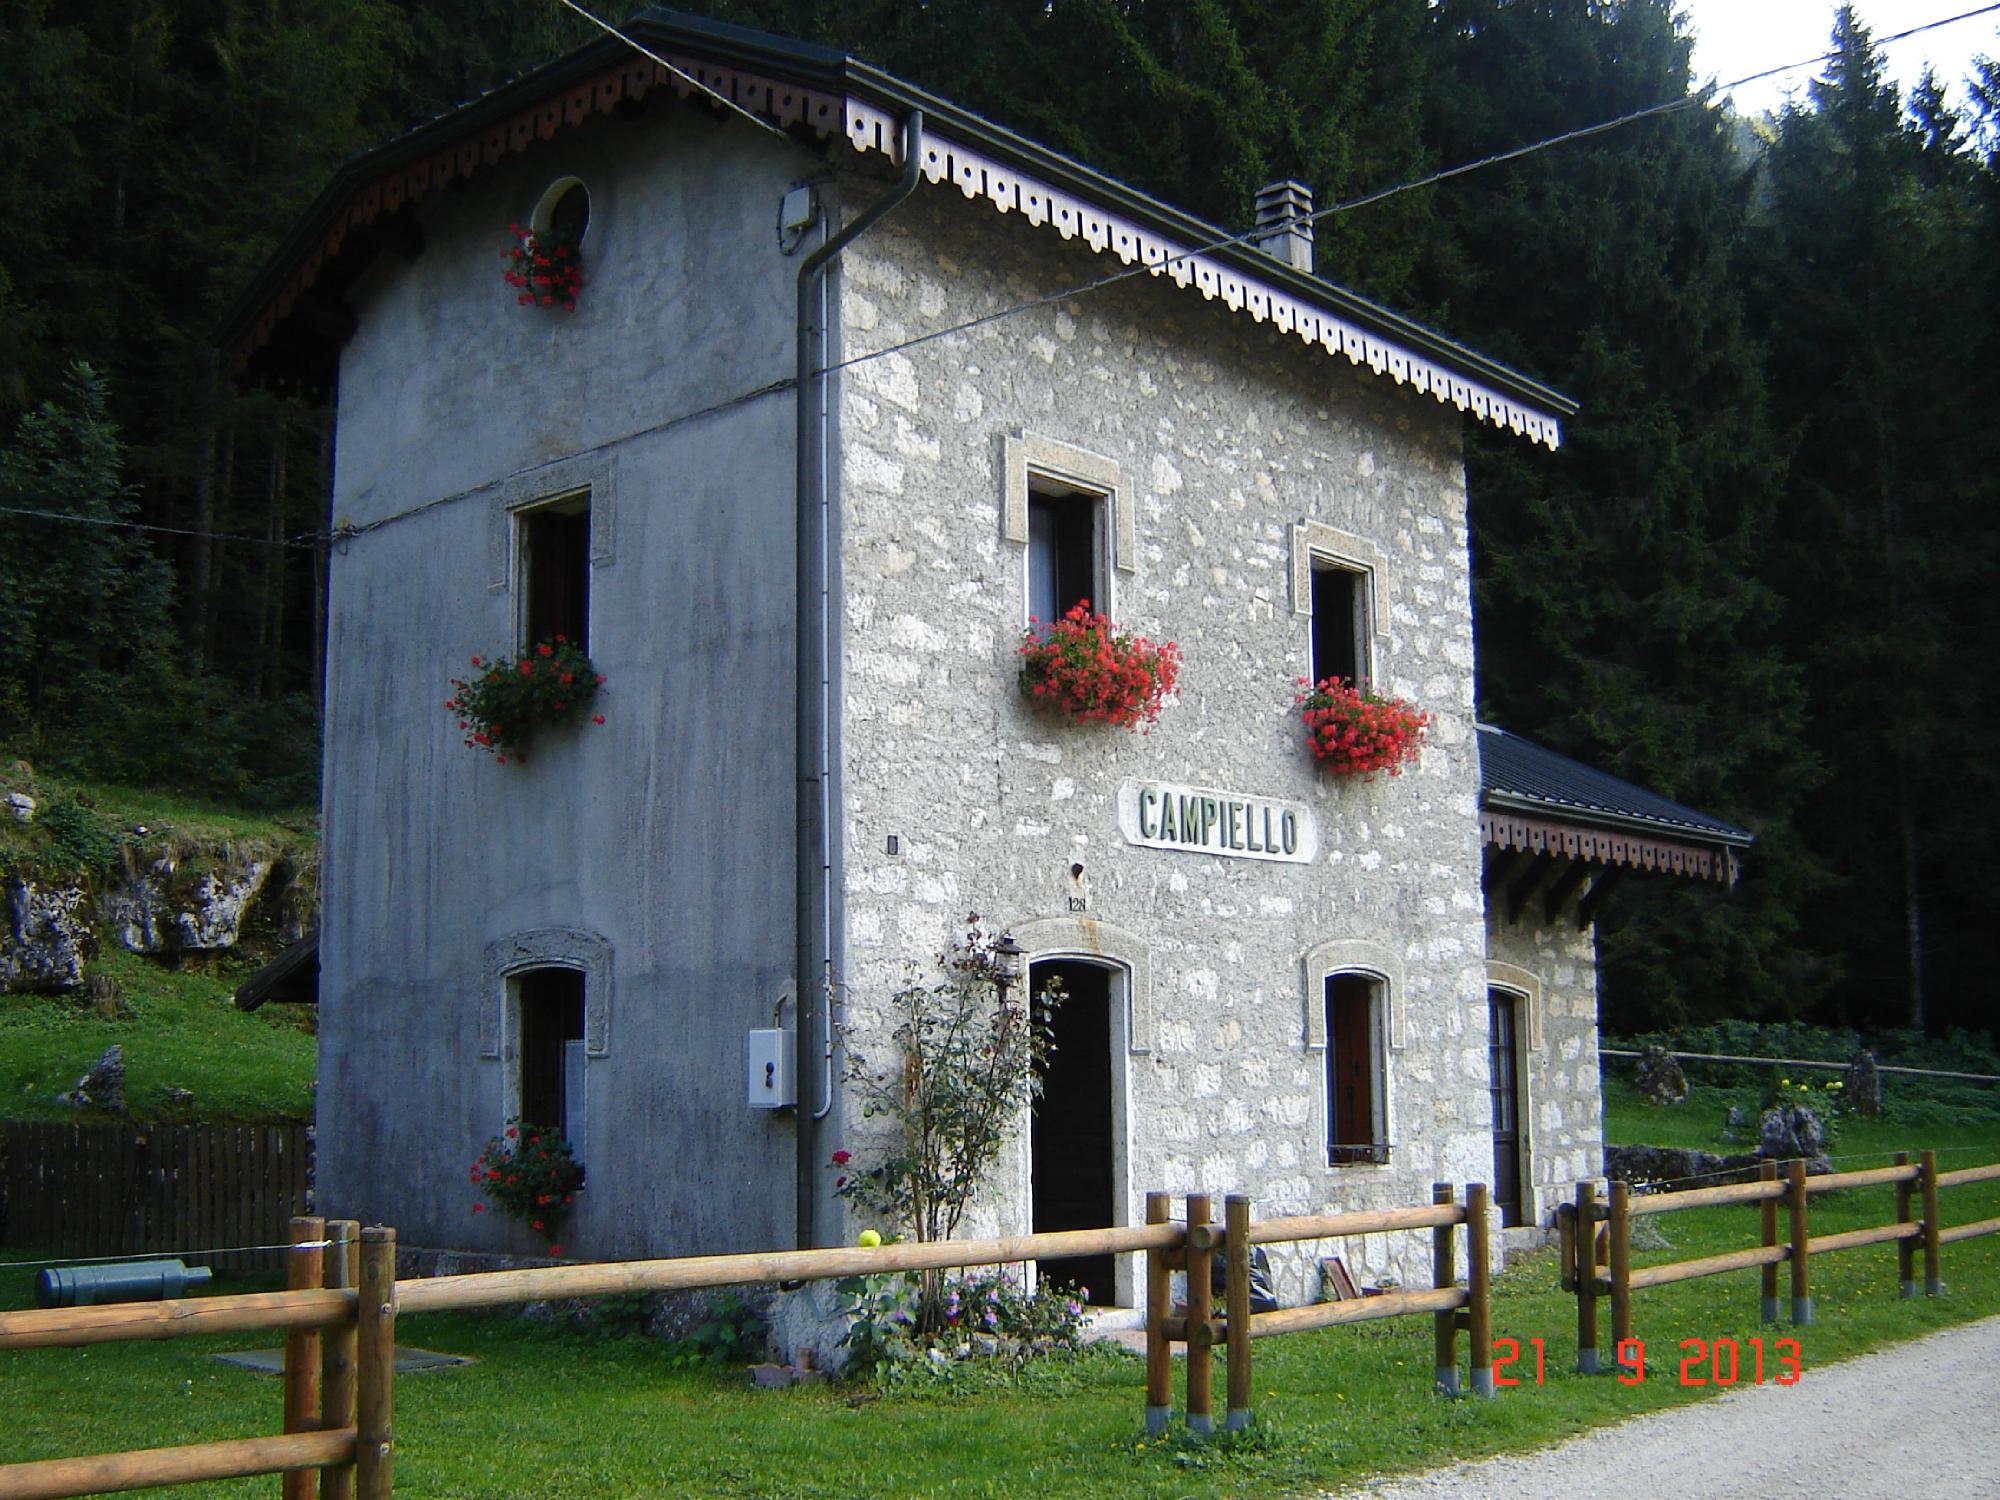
[[815, 91], [1520, 775]]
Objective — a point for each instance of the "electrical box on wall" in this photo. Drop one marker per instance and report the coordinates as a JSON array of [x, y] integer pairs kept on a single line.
[[770, 1070]]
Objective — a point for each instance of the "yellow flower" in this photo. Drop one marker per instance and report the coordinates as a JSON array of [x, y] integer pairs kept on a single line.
[[870, 1238]]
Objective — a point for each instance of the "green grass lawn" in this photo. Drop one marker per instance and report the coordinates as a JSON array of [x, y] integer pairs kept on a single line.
[[180, 1029], [557, 1412]]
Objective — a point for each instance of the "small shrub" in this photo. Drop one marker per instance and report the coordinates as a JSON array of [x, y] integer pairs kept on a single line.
[[78, 838]]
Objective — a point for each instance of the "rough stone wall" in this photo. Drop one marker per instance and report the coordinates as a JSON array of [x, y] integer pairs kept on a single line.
[[1227, 434], [1564, 1114]]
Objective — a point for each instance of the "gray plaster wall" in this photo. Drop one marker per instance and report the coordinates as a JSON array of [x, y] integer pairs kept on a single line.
[[655, 849], [1553, 968], [1227, 434]]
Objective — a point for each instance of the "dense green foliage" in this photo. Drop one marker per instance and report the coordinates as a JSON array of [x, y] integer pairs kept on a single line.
[[1754, 577]]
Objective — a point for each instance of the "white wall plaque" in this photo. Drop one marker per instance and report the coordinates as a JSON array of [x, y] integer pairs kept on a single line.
[[1205, 820]]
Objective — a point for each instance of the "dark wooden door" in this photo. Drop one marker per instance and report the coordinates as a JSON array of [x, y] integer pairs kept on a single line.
[[1072, 1148], [1503, 1013]]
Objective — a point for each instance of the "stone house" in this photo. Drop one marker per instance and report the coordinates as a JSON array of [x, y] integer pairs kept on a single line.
[[806, 597]]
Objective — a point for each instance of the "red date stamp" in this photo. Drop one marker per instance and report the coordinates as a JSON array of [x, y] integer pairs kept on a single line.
[[1718, 1362]]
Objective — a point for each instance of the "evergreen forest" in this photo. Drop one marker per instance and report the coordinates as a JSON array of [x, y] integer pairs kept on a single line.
[[1755, 577]]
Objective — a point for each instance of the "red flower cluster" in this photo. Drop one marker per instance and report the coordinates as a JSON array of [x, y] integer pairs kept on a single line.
[[544, 268], [531, 1176], [1354, 731], [509, 700], [1089, 669]]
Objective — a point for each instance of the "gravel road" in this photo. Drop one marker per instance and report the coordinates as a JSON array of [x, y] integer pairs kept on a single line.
[[1919, 1421]]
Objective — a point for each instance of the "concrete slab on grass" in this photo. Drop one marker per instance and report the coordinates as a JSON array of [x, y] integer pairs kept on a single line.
[[408, 1361]]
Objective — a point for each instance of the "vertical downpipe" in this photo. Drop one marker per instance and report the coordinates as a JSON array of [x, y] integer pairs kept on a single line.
[[813, 850]]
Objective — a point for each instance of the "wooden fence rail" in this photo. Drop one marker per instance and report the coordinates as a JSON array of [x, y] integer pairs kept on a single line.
[[121, 1189], [341, 1311], [1596, 1266]]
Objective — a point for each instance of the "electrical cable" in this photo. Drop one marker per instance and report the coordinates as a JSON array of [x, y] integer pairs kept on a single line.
[[222, 536], [758, 120]]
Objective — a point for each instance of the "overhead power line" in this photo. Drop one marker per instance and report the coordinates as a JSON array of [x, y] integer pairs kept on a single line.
[[306, 540]]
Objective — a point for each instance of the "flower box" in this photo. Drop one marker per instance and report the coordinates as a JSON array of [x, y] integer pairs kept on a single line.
[[1355, 731], [1085, 667], [513, 697], [545, 269]]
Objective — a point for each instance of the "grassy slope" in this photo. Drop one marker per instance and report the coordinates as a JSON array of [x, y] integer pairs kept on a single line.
[[551, 1412], [181, 1029]]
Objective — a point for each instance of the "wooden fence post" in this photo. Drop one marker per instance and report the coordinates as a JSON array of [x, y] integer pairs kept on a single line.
[[1802, 1308], [303, 1272], [1586, 1280], [1621, 1264], [1768, 1172], [1478, 1282], [1236, 1308], [1906, 1250], [1159, 1303], [1444, 1273], [1933, 1271], [375, 1367], [1200, 1336], [342, 1269]]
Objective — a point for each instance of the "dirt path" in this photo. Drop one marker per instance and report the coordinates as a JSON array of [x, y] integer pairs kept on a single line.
[[1919, 1421]]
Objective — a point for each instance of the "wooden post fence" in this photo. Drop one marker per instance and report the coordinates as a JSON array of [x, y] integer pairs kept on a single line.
[[375, 1367], [1200, 1335], [1236, 1309], [1444, 1274], [1159, 1307], [1478, 1281], [1587, 1362], [1911, 1184], [303, 1272], [342, 1272]]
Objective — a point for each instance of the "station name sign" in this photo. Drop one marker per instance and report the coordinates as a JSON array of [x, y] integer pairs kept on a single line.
[[1204, 820]]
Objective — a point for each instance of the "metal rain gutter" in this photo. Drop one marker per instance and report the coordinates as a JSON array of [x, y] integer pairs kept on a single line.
[[813, 854]]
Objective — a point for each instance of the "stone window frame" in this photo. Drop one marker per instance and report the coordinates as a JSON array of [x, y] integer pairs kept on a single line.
[[1378, 962], [1527, 986], [546, 948], [1315, 541], [1029, 456], [592, 475]]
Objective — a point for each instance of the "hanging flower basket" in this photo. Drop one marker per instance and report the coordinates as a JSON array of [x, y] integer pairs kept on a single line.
[[1355, 731], [1084, 666], [513, 697], [545, 269]]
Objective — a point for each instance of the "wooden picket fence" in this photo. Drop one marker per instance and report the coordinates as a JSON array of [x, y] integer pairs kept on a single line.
[[340, 1324], [1596, 1265], [120, 1189]]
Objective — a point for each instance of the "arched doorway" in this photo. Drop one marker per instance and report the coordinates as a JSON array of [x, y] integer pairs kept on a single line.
[[1073, 1137]]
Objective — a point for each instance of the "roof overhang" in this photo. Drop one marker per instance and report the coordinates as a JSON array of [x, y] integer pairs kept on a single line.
[[824, 96]]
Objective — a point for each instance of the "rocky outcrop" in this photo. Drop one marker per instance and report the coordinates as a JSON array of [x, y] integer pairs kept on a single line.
[[103, 1087], [184, 900], [46, 937]]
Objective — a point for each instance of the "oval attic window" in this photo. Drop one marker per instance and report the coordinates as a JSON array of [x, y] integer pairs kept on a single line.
[[563, 215]]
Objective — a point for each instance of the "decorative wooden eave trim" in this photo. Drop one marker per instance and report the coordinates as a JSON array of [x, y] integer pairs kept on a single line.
[[1624, 848], [979, 174], [982, 177]]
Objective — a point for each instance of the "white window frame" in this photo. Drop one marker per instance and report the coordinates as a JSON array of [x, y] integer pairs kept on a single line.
[[1318, 547], [1038, 466]]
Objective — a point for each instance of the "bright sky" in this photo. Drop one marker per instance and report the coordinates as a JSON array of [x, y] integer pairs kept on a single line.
[[1737, 37]]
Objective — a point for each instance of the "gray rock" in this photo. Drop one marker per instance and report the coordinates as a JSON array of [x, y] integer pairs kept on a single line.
[[22, 806], [1674, 1166], [44, 939], [184, 903], [103, 1087], [1790, 1130], [1660, 1078], [1861, 1084]]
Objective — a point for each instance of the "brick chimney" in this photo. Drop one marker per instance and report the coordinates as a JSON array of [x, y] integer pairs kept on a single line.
[[1284, 229]]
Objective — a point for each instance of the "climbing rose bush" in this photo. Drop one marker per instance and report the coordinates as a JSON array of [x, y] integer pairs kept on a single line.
[[1355, 731], [529, 1174], [512, 697], [1086, 667]]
